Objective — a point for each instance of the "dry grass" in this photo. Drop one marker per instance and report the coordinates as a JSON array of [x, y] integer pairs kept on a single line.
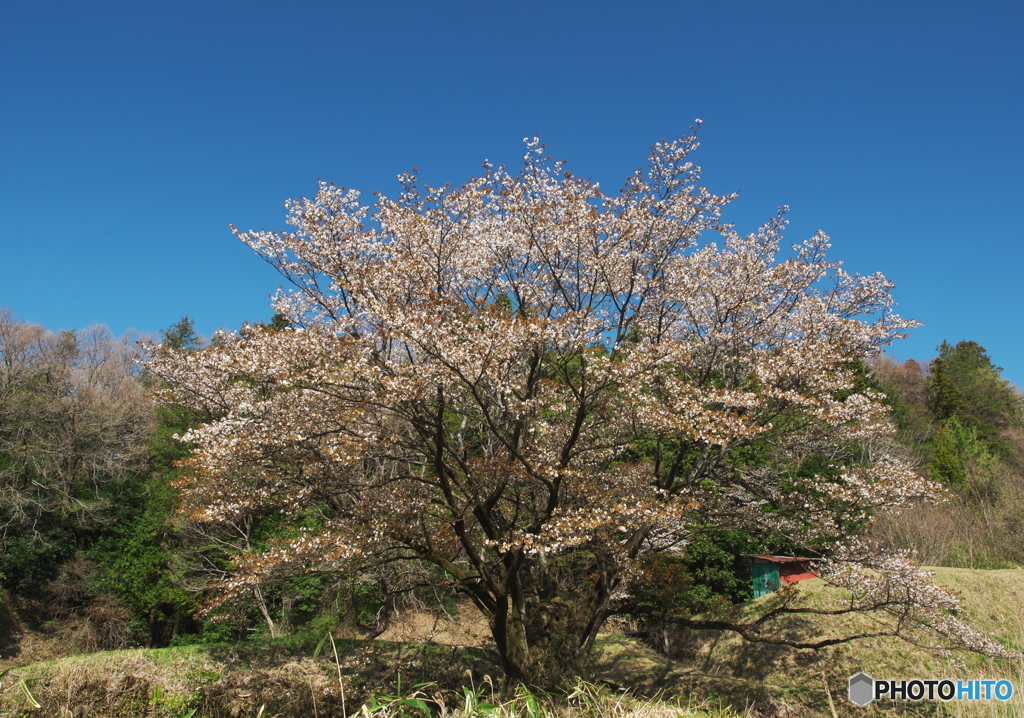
[[195, 684], [756, 676], [715, 675], [279, 678]]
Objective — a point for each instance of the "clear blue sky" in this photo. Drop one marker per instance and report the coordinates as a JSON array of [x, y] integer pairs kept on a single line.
[[134, 132]]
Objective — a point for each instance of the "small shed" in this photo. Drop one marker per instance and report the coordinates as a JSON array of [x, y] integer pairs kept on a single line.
[[770, 573]]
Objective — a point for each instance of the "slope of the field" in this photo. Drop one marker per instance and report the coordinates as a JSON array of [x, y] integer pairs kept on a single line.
[[282, 678], [723, 664]]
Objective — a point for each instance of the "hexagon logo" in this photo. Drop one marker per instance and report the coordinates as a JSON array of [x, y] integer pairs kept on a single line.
[[862, 689]]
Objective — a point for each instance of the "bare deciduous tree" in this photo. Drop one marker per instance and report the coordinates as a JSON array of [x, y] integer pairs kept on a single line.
[[72, 419]]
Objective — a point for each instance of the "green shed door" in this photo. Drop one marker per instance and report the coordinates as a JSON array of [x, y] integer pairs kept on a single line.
[[765, 577]]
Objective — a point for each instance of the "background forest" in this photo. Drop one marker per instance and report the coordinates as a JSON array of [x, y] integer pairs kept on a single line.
[[96, 551]]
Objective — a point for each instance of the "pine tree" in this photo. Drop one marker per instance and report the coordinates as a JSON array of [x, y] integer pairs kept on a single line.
[[965, 385]]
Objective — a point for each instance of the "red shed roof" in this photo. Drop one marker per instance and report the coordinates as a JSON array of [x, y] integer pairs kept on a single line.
[[779, 559]]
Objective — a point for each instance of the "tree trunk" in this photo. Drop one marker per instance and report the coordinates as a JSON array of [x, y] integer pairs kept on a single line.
[[544, 633], [262, 604]]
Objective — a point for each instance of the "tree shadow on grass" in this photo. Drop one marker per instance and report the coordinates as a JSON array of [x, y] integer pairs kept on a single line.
[[283, 676], [11, 630]]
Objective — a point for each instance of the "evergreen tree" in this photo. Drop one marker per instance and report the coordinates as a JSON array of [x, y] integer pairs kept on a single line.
[[181, 335], [139, 560], [946, 464], [965, 385]]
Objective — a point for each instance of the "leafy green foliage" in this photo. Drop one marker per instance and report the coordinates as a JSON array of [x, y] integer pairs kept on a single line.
[[965, 385], [946, 464], [27, 563], [138, 564], [139, 557], [712, 572], [717, 569], [73, 423], [963, 422], [181, 335]]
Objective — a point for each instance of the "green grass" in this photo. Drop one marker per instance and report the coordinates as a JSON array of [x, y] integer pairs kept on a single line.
[[715, 675], [282, 678], [722, 665]]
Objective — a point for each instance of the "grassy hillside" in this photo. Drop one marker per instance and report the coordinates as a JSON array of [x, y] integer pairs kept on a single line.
[[719, 664], [712, 672], [282, 678]]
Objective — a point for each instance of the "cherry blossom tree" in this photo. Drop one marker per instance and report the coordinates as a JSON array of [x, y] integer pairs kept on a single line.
[[538, 387]]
